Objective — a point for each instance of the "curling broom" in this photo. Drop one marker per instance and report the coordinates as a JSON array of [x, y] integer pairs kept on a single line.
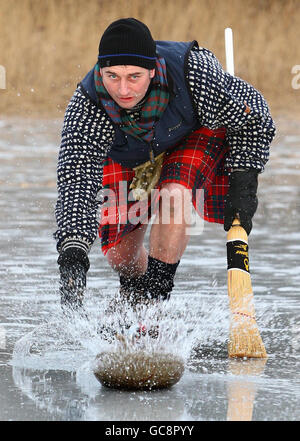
[[244, 336]]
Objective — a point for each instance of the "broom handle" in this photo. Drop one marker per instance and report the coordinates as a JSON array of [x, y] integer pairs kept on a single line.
[[230, 69], [229, 51], [236, 301], [236, 222]]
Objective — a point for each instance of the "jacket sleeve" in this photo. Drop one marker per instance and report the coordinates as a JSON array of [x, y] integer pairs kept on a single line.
[[223, 100], [87, 135]]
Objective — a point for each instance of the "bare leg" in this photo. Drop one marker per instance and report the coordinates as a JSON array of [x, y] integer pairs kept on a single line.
[[168, 238], [130, 257]]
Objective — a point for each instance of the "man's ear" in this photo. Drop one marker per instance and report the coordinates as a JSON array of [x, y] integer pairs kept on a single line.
[[152, 73]]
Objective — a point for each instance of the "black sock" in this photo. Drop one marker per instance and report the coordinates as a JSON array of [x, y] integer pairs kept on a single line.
[[156, 283], [131, 284], [160, 278]]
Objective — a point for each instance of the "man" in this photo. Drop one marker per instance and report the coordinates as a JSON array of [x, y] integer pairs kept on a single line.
[[165, 106]]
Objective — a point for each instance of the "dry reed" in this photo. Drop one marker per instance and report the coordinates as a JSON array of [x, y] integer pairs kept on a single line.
[[47, 46]]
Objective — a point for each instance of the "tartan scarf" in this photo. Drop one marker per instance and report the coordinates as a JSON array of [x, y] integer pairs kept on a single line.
[[152, 109]]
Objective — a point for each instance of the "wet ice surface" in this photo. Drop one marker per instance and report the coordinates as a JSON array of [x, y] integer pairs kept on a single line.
[[46, 361]]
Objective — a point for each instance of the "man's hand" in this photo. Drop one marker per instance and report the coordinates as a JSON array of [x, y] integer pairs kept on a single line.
[[73, 266], [241, 199]]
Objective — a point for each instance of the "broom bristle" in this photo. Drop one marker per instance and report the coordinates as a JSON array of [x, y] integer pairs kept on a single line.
[[244, 336], [245, 339]]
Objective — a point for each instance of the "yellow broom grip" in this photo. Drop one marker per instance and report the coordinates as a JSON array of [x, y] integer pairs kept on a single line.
[[236, 222]]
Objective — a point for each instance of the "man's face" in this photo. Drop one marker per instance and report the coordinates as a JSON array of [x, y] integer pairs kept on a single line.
[[127, 85]]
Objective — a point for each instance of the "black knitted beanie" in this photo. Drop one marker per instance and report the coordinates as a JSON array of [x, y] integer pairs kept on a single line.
[[127, 42]]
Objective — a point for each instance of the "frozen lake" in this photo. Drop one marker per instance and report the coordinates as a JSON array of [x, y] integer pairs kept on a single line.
[[56, 382]]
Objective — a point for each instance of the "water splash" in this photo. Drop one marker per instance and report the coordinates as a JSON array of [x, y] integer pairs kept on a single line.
[[66, 342]]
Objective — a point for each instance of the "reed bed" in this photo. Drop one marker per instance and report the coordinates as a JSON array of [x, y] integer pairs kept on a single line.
[[47, 46]]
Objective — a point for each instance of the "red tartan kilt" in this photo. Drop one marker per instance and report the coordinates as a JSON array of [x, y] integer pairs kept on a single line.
[[197, 162]]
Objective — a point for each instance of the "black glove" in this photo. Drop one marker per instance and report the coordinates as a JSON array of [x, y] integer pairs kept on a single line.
[[241, 199], [73, 266]]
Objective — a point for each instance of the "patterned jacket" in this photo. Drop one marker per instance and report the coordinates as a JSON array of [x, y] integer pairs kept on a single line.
[[88, 134]]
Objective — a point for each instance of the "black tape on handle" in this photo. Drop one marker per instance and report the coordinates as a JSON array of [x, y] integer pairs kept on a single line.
[[237, 255]]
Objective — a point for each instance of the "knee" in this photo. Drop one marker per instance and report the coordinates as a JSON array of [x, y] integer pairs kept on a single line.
[[127, 262], [119, 260], [175, 198]]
